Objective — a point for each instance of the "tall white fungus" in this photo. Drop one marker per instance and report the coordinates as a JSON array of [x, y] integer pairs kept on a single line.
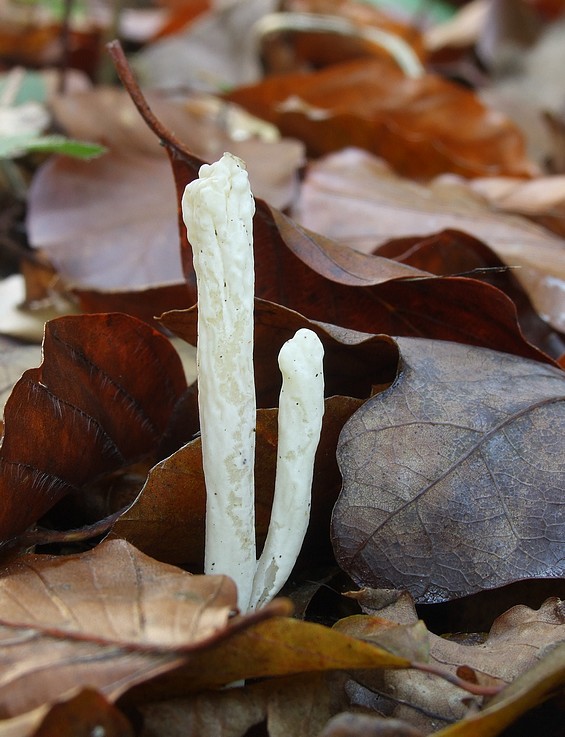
[[218, 211]]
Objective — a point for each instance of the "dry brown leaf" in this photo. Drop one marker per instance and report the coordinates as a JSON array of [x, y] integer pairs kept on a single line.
[[299, 706], [452, 477], [354, 198], [516, 641], [109, 618], [423, 127]]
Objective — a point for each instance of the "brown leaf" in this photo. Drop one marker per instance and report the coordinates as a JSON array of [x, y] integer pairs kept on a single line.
[[298, 39], [101, 399], [364, 725], [462, 310], [133, 245], [452, 476], [298, 706], [422, 127], [85, 715], [277, 647], [356, 199], [109, 618], [167, 519], [515, 643], [534, 687]]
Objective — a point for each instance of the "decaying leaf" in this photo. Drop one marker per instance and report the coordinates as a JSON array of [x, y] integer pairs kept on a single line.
[[279, 646], [109, 618], [398, 301], [101, 399], [516, 641], [299, 706], [453, 476], [167, 519]]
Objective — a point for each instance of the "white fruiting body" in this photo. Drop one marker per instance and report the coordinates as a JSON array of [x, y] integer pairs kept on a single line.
[[301, 407], [218, 212]]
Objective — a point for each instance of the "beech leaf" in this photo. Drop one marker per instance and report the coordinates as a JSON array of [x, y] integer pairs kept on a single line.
[[101, 400], [422, 127], [453, 477]]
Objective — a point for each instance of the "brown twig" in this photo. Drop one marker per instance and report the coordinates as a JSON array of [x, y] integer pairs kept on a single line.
[[130, 83]]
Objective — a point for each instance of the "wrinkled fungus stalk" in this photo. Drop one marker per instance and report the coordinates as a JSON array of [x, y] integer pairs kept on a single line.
[[301, 407], [218, 211]]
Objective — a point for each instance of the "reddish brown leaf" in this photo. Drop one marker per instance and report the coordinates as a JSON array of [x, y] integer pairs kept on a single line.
[[422, 127], [85, 715], [167, 520], [453, 252], [315, 276], [101, 399], [453, 477]]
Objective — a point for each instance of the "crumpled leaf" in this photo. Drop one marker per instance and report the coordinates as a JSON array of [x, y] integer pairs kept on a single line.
[[109, 618], [453, 476], [422, 127], [516, 641], [101, 399], [534, 687]]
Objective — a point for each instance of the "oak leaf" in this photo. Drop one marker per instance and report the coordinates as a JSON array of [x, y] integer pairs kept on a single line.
[[109, 618]]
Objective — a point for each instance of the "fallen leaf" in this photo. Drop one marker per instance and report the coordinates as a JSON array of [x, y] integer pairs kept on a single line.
[[365, 725], [356, 199], [279, 646], [86, 411], [463, 309], [134, 245], [422, 127], [535, 686], [167, 518], [298, 705], [87, 714], [215, 52], [109, 618], [452, 475]]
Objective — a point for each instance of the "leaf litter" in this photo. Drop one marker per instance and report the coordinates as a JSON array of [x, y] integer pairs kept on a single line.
[[327, 282]]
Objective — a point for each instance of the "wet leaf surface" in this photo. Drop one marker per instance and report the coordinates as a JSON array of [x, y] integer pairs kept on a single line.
[[453, 476]]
